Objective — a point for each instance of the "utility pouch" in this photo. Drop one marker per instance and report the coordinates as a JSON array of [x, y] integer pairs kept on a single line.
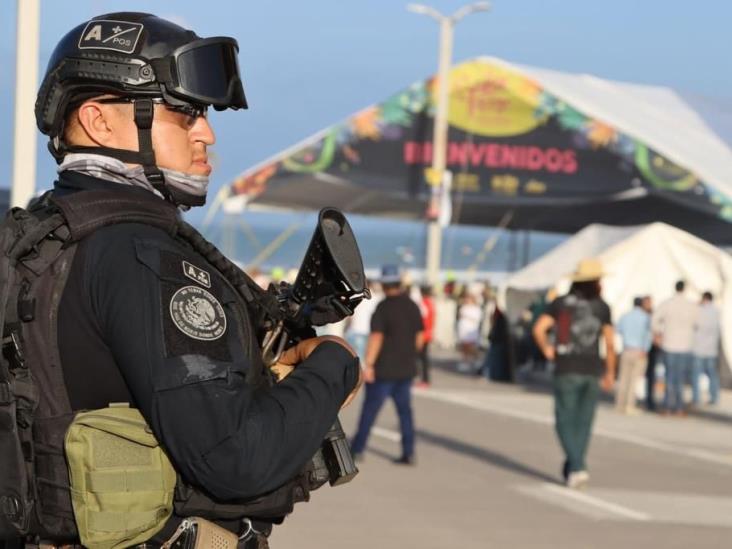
[[16, 501], [199, 533], [122, 482]]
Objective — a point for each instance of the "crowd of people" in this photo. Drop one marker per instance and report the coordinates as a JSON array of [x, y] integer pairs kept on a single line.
[[573, 336], [672, 345], [680, 334]]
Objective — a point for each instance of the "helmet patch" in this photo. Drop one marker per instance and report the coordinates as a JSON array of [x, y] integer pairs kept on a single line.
[[103, 34]]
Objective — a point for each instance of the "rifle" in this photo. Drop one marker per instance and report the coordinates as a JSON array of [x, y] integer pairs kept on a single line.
[[329, 286]]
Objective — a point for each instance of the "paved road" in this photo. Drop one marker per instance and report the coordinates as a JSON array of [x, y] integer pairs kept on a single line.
[[487, 477]]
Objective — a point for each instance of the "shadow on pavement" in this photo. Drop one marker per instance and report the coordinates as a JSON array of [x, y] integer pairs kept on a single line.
[[381, 453], [490, 457], [711, 415]]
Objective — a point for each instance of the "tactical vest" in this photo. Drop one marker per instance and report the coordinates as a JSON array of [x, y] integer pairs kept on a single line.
[[39, 246]]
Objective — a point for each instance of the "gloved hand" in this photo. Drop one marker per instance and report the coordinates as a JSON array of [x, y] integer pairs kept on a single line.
[[293, 356]]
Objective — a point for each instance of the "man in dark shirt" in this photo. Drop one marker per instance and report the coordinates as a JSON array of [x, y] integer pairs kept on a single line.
[[580, 319], [391, 362]]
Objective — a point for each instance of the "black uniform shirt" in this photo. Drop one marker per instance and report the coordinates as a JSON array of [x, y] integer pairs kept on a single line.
[[145, 319]]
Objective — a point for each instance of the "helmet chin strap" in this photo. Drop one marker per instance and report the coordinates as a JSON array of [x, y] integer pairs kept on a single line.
[[144, 112]]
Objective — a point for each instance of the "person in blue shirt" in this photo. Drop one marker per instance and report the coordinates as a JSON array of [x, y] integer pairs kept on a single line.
[[634, 328]]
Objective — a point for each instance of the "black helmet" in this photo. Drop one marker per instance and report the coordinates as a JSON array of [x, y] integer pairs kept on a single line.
[[138, 55], [142, 58]]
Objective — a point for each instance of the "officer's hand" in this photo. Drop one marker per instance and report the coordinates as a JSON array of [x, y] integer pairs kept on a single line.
[[295, 355]]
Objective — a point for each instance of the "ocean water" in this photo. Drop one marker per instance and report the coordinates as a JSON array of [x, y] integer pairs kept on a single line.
[[280, 240]]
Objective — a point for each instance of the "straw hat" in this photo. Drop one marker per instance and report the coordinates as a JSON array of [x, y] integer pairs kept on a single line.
[[588, 269]]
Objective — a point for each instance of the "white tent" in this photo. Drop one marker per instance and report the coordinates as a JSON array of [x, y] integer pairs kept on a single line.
[[693, 131], [643, 260]]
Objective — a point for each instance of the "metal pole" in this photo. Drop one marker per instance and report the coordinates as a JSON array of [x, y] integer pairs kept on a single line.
[[275, 245], [439, 146], [439, 137], [26, 86]]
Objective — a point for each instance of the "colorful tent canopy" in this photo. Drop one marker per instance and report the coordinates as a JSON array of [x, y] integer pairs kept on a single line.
[[558, 151]]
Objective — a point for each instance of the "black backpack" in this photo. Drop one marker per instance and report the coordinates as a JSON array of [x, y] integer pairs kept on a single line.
[[37, 247], [20, 236]]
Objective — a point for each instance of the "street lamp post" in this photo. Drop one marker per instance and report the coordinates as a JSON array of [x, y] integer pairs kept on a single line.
[[26, 83], [439, 137]]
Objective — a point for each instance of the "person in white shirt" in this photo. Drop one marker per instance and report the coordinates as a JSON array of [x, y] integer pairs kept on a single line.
[[673, 326], [358, 325], [706, 349], [468, 329]]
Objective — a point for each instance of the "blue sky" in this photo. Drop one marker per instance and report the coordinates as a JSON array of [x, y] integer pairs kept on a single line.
[[309, 64]]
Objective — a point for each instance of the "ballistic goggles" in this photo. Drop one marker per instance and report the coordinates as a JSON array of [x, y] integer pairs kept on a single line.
[[205, 71]]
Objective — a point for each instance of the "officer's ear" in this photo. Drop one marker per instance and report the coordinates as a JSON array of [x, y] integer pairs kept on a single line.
[[98, 124]]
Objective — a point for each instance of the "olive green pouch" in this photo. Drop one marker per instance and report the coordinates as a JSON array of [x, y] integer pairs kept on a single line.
[[122, 482]]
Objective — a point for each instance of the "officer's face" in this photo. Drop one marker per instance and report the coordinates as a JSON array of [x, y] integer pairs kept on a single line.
[[180, 141]]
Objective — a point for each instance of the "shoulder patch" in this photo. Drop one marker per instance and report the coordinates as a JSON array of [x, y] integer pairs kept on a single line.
[[105, 34], [196, 274], [197, 314]]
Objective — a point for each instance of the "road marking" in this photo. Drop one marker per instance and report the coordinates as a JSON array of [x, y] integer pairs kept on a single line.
[[596, 502], [468, 402], [387, 434]]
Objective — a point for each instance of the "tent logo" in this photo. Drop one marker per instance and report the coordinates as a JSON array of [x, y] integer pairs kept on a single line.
[[491, 101]]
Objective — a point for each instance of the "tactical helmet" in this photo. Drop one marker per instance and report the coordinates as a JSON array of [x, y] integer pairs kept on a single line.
[[141, 57], [138, 54]]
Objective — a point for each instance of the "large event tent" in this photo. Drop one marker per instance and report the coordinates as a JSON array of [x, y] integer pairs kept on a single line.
[[642, 260], [557, 151]]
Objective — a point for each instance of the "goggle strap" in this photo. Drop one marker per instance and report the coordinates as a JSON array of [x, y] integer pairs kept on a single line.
[[163, 68]]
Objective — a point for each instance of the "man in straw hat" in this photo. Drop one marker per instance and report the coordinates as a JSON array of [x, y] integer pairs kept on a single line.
[[580, 319]]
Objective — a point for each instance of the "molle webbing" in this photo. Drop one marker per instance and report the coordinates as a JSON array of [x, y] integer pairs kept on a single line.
[[246, 287], [87, 211]]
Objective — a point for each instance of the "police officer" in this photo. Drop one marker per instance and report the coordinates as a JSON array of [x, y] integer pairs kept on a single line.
[[143, 317]]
